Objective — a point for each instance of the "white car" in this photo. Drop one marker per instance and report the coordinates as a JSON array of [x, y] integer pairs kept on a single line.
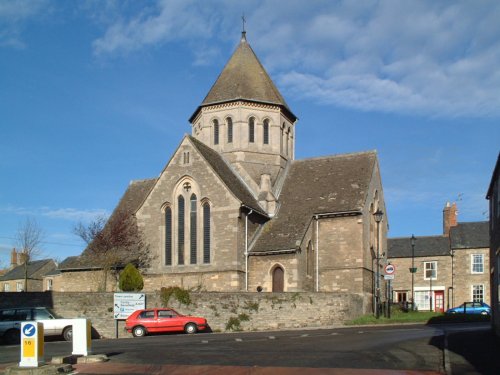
[[11, 319]]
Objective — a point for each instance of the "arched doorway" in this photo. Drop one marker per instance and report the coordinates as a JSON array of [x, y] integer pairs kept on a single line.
[[278, 279]]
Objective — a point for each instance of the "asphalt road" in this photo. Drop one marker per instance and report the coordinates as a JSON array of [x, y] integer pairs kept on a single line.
[[470, 348]]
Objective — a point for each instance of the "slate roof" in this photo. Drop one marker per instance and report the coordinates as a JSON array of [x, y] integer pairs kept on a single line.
[[227, 175], [425, 246], [34, 268], [331, 184], [244, 78], [470, 235], [129, 203]]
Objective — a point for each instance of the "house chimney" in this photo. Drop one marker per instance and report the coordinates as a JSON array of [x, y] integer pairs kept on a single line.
[[13, 258], [449, 218]]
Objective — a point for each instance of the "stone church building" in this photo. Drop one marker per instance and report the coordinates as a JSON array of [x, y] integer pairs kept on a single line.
[[233, 210]]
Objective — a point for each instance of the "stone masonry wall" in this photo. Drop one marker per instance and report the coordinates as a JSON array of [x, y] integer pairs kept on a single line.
[[224, 311]]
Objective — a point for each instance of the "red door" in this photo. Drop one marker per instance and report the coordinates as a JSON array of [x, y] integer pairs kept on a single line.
[[439, 301]]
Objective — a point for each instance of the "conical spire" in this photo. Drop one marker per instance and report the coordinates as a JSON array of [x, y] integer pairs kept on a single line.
[[244, 78]]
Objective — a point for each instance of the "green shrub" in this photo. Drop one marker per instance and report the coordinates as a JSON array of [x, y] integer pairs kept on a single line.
[[131, 279], [181, 295]]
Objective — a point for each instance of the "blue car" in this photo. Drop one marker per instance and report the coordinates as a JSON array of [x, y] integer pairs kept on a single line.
[[471, 308]]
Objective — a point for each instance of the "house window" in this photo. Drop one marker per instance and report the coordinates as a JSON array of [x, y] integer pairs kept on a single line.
[[185, 157], [477, 293], [216, 132], [193, 218], [49, 284], [229, 130], [287, 141], [251, 130], [282, 134], [19, 286], [206, 233], [477, 263], [180, 228], [266, 132], [6, 287], [430, 269], [168, 236]]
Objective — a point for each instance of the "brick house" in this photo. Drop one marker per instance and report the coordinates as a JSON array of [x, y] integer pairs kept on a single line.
[[233, 210], [450, 268], [493, 196]]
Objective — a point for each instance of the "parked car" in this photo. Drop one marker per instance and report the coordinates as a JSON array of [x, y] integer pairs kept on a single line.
[[142, 322], [53, 325], [471, 308]]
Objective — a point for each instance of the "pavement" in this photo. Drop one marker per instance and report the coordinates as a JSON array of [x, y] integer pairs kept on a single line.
[[464, 353]]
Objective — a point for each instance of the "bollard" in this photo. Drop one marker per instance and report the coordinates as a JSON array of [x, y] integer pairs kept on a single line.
[[82, 337], [32, 343]]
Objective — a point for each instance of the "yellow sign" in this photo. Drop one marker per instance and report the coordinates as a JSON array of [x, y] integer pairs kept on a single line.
[[29, 347]]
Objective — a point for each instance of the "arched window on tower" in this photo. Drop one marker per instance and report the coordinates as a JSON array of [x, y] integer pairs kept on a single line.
[[282, 134], [206, 232], [180, 229], [229, 130], [266, 132], [168, 236], [192, 228], [251, 129], [216, 132], [287, 141]]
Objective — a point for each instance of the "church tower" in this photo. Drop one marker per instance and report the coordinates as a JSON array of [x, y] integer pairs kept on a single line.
[[245, 119]]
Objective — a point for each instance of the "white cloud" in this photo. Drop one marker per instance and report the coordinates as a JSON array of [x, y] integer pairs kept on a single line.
[[429, 58], [70, 214], [13, 15]]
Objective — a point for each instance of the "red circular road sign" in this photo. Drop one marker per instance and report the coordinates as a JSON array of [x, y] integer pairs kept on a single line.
[[390, 269]]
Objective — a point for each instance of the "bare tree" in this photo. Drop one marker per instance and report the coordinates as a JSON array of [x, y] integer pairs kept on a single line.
[[29, 237], [113, 243]]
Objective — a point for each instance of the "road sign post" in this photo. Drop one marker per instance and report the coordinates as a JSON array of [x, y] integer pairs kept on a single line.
[[390, 270], [32, 343], [125, 304]]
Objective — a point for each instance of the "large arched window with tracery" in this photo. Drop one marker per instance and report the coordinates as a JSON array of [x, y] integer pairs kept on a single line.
[[265, 135], [168, 236], [206, 233], [192, 228], [180, 229]]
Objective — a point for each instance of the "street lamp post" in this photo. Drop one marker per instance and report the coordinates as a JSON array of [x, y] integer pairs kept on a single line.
[[412, 271], [378, 218]]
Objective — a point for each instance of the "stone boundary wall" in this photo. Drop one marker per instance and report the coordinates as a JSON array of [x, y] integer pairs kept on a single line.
[[224, 311]]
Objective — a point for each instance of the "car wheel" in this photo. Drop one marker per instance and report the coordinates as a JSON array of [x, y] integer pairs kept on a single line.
[[190, 328], [68, 333], [139, 331], [12, 336]]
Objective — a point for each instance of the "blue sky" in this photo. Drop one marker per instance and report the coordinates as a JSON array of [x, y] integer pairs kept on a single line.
[[94, 94]]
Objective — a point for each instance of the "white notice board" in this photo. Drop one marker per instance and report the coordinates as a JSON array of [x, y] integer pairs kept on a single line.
[[125, 304]]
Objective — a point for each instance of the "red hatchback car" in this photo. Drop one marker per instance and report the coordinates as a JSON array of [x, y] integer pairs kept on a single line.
[[142, 322]]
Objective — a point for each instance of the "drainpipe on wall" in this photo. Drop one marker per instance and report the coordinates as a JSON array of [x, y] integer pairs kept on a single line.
[[246, 248], [317, 253]]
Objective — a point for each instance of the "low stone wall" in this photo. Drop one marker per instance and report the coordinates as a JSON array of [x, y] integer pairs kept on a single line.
[[224, 311]]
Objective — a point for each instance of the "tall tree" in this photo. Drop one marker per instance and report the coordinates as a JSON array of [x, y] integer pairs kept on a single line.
[[29, 237], [113, 243]]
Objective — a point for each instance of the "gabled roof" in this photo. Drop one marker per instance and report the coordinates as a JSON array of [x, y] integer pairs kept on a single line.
[[34, 270], [494, 177], [425, 246], [472, 235], [227, 175], [325, 185], [244, 78], [129, 203]]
